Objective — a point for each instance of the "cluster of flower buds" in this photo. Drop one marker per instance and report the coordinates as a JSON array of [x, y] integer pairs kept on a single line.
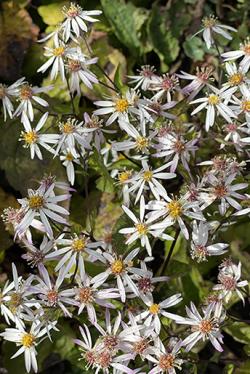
[[168, 190]]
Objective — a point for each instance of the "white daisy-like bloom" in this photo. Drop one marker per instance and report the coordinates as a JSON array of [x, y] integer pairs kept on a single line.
[[242, 106], [151, 316], [120, 268], [174, 210], [15, 305], [144, 227], [144, 77], [77, 20], [156, 109], [229, 282], [212, 26], [43, 205], [28, 342], [7, 93], [28, 95], [118, 107], [73, 248], [68, 159], [95, 131], [87, 294], [49, 293], [235, 76], [56, 62], [215, 102], [235, 134], [80, 73], [113, 338], [199, 248], [35, 256], [146, 281], [124, 178], [206, 327], [140, 142], [32, 138], [199, 80], [243, 51], [97, 358], [223, 190], [165, 359], [165, 86], [148, 179], [72, 134], [175, 147]]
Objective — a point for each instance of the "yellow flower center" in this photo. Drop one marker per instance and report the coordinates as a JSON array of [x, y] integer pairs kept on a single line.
[[175, 208], [141, 228], [85, 295], [236, 79], [205, 326], [30, 137], [78, 244], [246, 48], [154, 309], [69, 156], [25, 92], [124, 176], [73, 10], [67, 128], [209, 22], [28, 340], [141, 143], [117, 267], [121, 105], [246, 106], [74, 65], [59, 51], [213, 99], [166, 362], [36, 202], [147, 175]]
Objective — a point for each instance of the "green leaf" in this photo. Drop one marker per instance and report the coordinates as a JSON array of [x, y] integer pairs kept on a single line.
[[118, 240], [243, 369], [105, 183], [52, 13], [126, 21], [163, 42], [240, 331], [193, 48]]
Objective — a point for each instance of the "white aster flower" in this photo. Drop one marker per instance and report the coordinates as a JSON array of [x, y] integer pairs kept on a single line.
[[143, 228], [32, 138], [144, 77], [215, 102], [76, 20], [118, 107], [122, 269], [199, 80], [174, 210], [44, 205], [243, 51], [7, 94], [152, 315], [27, 95], [229, 281], [165, 86], [212, 26], [204, 328], [68, 159], [79, 72], [148, 179], [199, 248], [28, 342], [242, 105], [166, 359]]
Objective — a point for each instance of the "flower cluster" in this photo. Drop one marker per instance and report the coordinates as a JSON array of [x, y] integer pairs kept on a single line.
[[169, 192]]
